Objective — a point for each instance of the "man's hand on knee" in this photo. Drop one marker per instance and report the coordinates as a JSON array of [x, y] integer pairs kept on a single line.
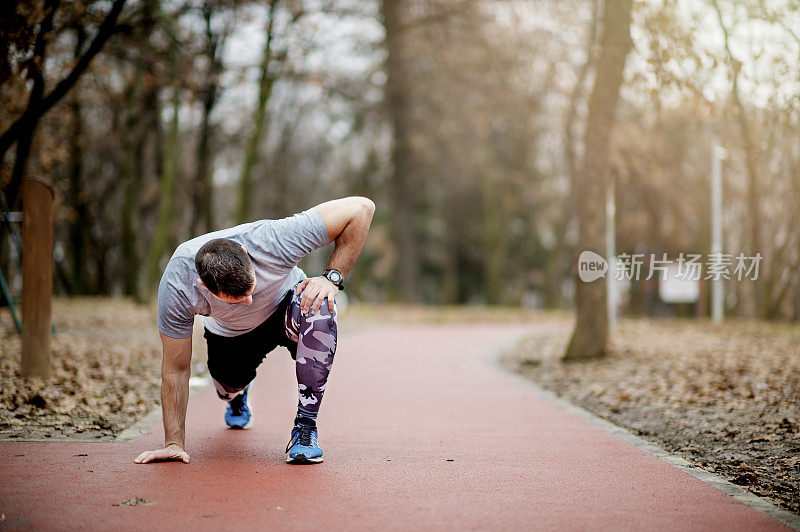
[[173, 452], [314, 290]]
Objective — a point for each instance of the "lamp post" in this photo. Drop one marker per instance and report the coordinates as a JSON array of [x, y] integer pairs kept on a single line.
[[717, 288], [611, 253]]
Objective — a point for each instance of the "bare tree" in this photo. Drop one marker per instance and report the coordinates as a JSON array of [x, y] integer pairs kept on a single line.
[[78, 234], [753, 192], [558, 263], [23, 128], [203, 215], [403, 191], [591, 328], [259, 120]]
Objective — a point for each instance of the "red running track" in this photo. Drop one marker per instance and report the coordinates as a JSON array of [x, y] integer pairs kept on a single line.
[[401, 402]]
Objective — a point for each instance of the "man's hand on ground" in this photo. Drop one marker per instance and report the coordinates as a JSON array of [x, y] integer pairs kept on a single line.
[[314, 290], [170, 452]]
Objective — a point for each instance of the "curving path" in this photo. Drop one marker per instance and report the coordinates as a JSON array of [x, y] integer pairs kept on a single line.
[[421, 430]]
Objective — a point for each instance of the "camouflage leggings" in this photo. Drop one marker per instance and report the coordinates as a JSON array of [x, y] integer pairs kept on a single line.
[[316, 345], [311, 340]]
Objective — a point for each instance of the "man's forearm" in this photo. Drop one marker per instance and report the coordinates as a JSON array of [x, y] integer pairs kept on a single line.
[[174, 398], [348, 244]]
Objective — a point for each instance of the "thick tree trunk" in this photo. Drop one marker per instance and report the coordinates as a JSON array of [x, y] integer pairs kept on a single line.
[[259, 123], [591, 329], [403, 197]]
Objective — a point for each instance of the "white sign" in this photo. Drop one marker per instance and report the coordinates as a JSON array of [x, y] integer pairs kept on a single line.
[[675, 287]]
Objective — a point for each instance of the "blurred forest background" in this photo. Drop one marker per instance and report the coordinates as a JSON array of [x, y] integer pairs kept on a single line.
[[158, 120]]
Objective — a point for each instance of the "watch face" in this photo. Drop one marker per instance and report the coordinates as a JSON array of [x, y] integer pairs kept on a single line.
[[334, 276]]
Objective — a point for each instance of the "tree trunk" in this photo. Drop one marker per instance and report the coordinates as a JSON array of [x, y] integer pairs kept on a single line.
[[403, 197], [141, 119], [570, 157], [796, 298], [133, 136], [259, 123], [753, 189], [558, 264], [166, 197], [30, 119], [591, 328], [80, 220], [450, 277], [203, 217], [495, 238]]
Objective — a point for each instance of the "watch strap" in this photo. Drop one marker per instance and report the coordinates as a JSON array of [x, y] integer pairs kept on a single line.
[[339, 285]]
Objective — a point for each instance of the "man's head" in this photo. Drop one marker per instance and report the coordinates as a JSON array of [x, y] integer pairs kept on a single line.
[[225, 269]]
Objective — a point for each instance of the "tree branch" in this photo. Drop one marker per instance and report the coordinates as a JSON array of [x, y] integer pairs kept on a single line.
[[105, 31]]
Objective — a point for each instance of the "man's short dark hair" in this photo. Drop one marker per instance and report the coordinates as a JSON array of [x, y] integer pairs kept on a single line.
[[224, 267]]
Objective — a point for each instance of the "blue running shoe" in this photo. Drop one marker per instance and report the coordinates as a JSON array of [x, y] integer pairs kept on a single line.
[[302, 447], [238, 414]]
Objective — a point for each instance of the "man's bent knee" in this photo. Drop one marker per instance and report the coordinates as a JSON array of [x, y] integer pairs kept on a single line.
[[225, 391]]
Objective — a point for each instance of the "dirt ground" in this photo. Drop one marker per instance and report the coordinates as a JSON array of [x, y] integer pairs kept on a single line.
[[106, 357], [724, 397]]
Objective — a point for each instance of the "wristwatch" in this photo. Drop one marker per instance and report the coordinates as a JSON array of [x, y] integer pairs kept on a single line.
[[334, 276]]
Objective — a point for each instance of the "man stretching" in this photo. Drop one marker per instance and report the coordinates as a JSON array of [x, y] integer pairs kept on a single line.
[[246, 283]]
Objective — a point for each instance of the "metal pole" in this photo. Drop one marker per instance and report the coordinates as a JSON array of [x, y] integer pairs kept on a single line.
[[37, 276], [717, 288], [611, 253], [10, 300]]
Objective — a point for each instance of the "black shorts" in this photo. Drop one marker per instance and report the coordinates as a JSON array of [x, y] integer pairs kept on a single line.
[[233, 360]]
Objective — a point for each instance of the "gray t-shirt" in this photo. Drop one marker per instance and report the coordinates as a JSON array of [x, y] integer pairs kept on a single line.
[[275, 247]]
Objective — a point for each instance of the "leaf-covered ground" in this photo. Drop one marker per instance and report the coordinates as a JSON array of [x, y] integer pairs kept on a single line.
[[724, 397], [106, 360]]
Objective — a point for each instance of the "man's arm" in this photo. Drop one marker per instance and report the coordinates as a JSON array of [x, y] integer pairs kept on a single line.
[[175, 372], [347, 221]]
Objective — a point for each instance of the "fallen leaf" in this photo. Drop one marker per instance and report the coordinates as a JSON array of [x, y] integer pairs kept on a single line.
[[745, 479], [137, 501]]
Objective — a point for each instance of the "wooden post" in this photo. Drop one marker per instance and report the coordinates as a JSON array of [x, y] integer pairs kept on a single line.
[[37, 276]]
